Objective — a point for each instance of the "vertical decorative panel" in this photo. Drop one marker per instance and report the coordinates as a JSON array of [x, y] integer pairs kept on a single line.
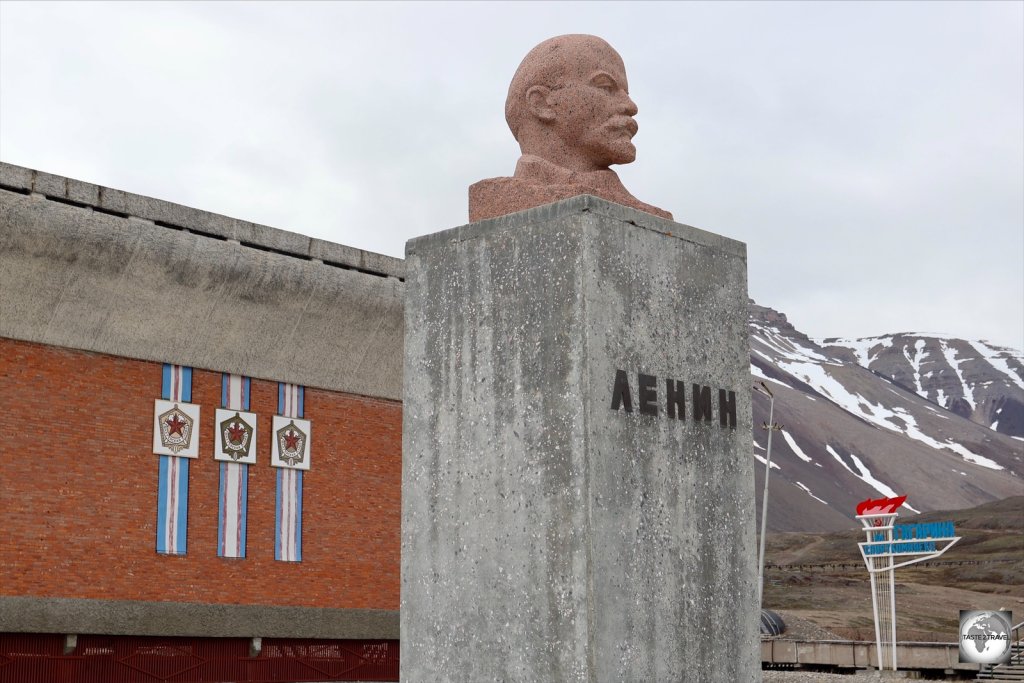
[[290, 455], [176, 424], [235, 447]]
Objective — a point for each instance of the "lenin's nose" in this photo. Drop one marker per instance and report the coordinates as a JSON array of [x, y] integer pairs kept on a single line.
[[630, 108]]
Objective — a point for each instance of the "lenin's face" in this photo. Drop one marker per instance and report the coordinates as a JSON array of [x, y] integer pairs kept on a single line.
[[593, 110]]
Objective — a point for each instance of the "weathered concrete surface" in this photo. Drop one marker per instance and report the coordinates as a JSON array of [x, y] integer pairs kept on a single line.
[[91, 268], [545, 536], [72, 615]]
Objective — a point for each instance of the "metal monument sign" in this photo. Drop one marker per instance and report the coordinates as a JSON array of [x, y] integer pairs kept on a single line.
[[889, 546]]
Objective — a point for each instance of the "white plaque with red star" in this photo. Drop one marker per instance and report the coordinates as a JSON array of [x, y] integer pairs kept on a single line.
[[290, 439], [234, 438], [176, 429]]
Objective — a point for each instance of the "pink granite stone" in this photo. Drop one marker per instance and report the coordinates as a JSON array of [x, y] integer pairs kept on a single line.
[[569, 108]]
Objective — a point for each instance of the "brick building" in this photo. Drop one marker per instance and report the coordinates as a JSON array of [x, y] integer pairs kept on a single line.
[[120, 563]]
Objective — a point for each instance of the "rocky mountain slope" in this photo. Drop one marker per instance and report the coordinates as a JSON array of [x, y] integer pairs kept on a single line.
[[975, 380], [939, 419]]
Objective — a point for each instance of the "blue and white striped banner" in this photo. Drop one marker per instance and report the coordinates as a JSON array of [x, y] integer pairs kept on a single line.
[[234, 478], [288, 528], [172, 492]]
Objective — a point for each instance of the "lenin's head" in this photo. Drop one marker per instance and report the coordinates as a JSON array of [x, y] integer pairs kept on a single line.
[[569, 103]]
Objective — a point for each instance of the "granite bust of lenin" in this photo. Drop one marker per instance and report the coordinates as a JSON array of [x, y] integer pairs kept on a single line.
[[569, 109]]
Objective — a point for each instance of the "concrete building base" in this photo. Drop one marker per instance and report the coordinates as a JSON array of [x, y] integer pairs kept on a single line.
[[27, 614]]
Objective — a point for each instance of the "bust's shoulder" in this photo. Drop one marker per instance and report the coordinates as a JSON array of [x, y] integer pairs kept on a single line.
[[538, 181], [494, 197]]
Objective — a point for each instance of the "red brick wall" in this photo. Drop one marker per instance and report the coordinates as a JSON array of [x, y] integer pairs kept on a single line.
[[78, 491]]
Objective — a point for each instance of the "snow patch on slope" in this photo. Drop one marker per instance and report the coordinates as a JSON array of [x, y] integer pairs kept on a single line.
[[796, 449], [913, 432], [915, 365], [862, 347], [786, 347], [996, 357], [758, 372], [811, 494], [865, 475], [765, 462], [954, 363]]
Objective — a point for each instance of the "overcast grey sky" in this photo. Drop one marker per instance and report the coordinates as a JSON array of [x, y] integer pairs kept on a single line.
[[871, 155]]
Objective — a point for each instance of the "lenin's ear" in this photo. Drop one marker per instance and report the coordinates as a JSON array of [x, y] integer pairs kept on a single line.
[[537, 97]]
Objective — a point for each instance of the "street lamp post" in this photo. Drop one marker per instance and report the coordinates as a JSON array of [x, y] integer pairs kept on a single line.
[[771, 427]]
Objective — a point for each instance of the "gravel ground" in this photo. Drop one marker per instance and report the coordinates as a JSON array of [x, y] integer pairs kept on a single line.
[[798, 628]]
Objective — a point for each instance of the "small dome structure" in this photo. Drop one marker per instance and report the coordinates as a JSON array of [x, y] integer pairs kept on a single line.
[[771, 623]]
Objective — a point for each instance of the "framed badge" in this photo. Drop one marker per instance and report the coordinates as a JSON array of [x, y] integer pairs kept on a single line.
[[290, 447], [175, 428], [234, 437]]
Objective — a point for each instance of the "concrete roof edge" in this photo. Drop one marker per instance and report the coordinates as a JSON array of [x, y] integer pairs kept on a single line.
[[179, 217]]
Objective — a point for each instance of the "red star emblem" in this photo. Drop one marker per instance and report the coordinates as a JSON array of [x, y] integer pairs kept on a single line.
[[175, 425], [235, 432], [291, 441]]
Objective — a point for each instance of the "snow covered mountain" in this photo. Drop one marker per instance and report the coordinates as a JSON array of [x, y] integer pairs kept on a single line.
[[937, 418], [975, 380]]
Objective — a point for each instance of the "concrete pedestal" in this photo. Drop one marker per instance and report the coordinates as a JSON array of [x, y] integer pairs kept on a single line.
[[577, 495]]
